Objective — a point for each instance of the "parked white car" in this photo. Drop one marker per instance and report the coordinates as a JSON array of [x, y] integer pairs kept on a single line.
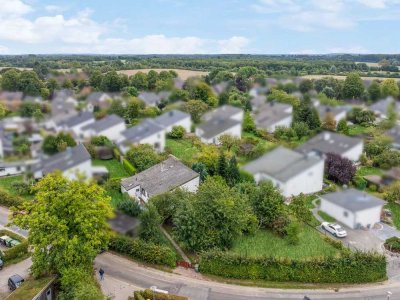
[[334, 229]]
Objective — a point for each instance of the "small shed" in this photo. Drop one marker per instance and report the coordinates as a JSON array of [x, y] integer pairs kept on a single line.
[[353, 208]]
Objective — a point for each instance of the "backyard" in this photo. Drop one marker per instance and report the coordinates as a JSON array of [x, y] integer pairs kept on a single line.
[[6, 183], [265, 243], [182, 149]]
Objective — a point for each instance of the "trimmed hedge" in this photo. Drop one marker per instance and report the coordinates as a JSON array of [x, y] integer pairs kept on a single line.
[[355, 267], [148, 294], [7, 199], [128, 167], [117, 154], [141, 250], [16, 251]]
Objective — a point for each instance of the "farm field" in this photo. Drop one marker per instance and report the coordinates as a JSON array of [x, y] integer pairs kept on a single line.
[[343, 77], [265, 243], [183, 74]]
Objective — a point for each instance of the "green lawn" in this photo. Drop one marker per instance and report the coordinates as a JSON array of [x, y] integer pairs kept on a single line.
[[115, 169], [182, 149], [326, 217], [357, 130], [265, 243], [364, 171], [395, 209], [6, 182]]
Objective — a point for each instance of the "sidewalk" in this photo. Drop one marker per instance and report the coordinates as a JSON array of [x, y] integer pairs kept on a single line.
[[115, 289]]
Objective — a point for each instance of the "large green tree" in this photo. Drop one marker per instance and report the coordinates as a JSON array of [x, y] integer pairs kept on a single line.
[[389, 87], [374, 90], [142, 157], [67, 223], [353, 86]]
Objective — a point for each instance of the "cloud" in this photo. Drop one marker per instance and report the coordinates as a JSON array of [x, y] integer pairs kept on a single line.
[[13, 8], [276, 6], [373, 3], [3, 49], [54, 8], [234, 45]]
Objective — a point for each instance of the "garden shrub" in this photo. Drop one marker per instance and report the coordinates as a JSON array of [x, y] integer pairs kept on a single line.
[[393, 244], [129, 207], [117, 154], [148, 294], [143, 251], [128, 167], [358, 267], [177, 132], [7, 199], [359, 182], [22, 188]]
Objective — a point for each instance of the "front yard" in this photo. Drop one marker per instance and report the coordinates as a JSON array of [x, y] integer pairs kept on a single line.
[[265, 243]]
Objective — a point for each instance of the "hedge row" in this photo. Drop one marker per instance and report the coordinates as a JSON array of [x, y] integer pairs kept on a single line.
[[16, 251], [148, 294], [7, 199], [128, 167], [355, 267], [141, 250]]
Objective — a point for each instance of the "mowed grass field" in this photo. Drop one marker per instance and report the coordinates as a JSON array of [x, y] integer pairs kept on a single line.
[[265, 243], [343, 77], [183, 74]]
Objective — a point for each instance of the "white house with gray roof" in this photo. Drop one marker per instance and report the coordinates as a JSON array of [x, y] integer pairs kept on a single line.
[[73, 162], [338, 112], [293, 173], [174, 118], [381, 107], [270, 115], [147, 132], [76, 123], [226, 119], [98, 100], [164, 177], [110, 126], [331, 142], [153, 99], [353, 208]]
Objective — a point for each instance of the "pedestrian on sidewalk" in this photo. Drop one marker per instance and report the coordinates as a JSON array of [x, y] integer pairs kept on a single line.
[[101, 272]]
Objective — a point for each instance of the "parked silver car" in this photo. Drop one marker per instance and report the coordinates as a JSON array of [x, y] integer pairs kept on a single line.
[[334, 229]]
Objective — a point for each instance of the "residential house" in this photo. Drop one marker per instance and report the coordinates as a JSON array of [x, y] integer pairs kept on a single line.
[[75, 123], [11, 100], [273, 114], [111, 126], [338, 112], [258, 101], [223, 120], [164, 177], [153, 99], [12, 168], [219, 88], [73, 163], [98, 101], [147, 132], [394, 133], [293, 173], [63, 107], [353, 208], [381, 107], [331, 142], [174, 118]]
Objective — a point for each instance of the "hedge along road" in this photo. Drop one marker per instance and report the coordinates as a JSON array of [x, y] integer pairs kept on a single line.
[[122, 275]]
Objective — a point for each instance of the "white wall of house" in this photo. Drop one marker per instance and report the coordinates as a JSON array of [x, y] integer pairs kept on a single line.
[[235, 131], [83, 169], [14, 170], [185, 123], [339, 213], [113, 133], [238, 116], [77, 129], [1, 149], [287, 122], [340, 116], [156, 140], [355, 152], [368, 217], [192, 185]]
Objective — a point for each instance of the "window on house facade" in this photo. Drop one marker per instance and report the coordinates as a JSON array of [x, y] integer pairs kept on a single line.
[[346, 214]]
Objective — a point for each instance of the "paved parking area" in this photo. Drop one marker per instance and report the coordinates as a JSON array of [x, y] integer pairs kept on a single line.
[[21, 268]]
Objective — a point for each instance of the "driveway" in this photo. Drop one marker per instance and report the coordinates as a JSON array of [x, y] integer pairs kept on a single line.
[[21, 268]]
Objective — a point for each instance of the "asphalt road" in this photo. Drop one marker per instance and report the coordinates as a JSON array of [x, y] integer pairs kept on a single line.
[[127, 275], [4, 213]]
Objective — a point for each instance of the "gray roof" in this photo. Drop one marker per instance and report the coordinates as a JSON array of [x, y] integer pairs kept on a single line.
[[151, 98], [145, 129], [223, 112], [63, 161], [281, 164], [394, 133], [334, 110], [258, 101], [270, 113], [10, 96], [216, 126], [161, 178], [63, 94], [105, 123], [329, 142], [353, 200], [95, 97], [171, 117], [80, 118], [382, 106]]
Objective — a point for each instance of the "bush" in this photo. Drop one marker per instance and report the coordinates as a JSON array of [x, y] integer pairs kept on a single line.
[[117, 154], [177, 132], [358, 267], [387, 159], [143, 251], [128, 167], [6, 199], [359, 182], [16, 251], [293, 231], [130, 207], [22, 188], [393, 244], [100, 140], [148, 294]]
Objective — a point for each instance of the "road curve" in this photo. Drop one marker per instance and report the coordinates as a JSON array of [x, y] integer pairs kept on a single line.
[[130, 275]]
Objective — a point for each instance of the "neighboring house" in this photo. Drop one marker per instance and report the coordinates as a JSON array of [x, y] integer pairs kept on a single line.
[[273, 114], [63, 107], [73, 162], [110, 126], [223, 120], [12, 168], [174, 118], [11, 100], [330, 142], [161, 178], [293, 173], [353, 208], [381, 107], [394, 133], [258, 101], [147, 132], [36, 99], [98, 101], [219, 88], [338, 112], [77, 122], [258, 91], [153, 99]]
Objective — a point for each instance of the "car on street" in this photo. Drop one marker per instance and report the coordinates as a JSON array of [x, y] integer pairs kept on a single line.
[[14, 282], [1, 264], [334, 229]]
